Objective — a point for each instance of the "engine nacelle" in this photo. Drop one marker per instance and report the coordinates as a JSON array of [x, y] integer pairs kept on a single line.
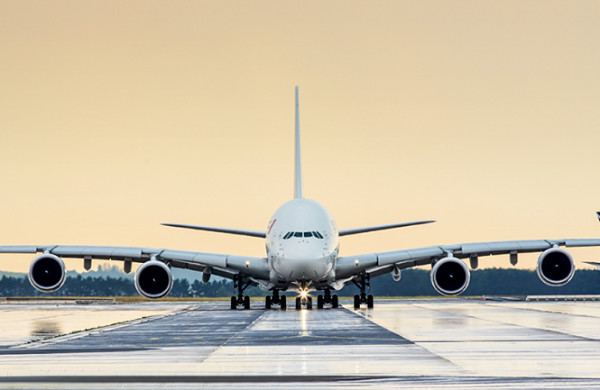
[[450, 276], [154, 279], [47, 273], [555, 267]]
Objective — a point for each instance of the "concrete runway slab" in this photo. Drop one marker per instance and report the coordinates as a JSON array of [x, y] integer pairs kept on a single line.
[[438, 343]]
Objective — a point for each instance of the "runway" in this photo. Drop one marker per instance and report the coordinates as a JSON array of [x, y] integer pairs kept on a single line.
[[437, 343]]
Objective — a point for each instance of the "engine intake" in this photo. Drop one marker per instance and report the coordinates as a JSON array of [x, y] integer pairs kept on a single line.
[[450, 276], [47, 273], [555, 267], [154, 279]]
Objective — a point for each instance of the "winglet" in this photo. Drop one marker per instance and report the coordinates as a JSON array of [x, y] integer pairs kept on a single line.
[[598, 214], [298, 165]]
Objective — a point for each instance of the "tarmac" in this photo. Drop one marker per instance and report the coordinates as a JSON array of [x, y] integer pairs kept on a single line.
[[413, 343]]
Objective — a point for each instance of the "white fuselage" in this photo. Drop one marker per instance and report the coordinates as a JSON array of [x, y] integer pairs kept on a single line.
[[302, 243]]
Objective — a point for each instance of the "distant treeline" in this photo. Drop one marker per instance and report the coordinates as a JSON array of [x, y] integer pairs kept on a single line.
[[414, 282]]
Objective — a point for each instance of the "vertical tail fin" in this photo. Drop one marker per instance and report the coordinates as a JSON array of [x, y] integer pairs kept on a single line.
[[298, 165]]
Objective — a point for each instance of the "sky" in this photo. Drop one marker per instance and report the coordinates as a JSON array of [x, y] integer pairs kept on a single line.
[[116, 116]]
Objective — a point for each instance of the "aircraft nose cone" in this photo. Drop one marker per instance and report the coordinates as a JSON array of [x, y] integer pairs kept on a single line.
[[301, 254]]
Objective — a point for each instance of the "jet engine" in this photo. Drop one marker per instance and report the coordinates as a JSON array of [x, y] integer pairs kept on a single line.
[[555, 267], [47, 273], [154, 279], [450, 276]]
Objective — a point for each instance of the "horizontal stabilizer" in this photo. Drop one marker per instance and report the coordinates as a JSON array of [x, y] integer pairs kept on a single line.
[[346, 232], [242, 232]]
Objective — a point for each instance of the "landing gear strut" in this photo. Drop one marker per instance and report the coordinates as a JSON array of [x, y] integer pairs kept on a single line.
[[363, 284], [240, 300], [328, 299], [276, 299]]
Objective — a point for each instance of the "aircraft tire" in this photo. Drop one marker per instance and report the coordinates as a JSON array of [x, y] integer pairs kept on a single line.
[[356, 302], [233, 303], [268, 302], [282, 303], [370, 301], [335, 303], [320, 302], [246, 302]]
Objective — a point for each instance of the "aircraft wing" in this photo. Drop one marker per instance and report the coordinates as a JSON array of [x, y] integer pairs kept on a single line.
[[222, 265], [378, 263]]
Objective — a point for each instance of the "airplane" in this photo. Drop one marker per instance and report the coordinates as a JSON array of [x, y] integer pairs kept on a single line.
[[302, 255]]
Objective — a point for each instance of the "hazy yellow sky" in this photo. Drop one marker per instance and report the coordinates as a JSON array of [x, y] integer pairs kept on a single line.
[[116, 116]]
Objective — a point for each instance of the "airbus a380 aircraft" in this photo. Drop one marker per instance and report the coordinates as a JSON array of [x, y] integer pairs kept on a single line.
[[302, 244]]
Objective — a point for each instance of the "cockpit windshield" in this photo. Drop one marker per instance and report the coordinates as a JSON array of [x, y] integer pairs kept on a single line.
[[289, 235]]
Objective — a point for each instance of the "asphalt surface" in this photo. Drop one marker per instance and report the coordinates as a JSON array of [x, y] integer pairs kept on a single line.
[[440, 343]]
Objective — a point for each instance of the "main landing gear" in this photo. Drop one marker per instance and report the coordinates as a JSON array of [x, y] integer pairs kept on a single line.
[[363, 284], [328, 299], [240, 300], [276, 299]]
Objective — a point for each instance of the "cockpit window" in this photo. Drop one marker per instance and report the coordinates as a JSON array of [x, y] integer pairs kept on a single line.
[[289, 235]]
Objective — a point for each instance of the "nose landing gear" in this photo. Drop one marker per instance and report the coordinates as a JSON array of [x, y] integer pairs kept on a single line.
[[304, 301]]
